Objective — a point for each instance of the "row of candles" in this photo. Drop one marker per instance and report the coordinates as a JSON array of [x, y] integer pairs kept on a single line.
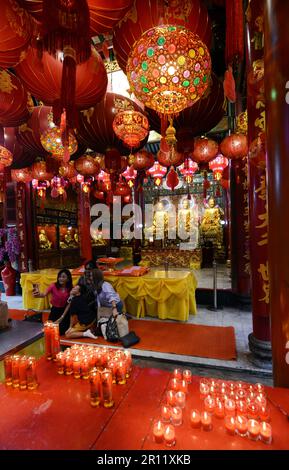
[[20, 372]]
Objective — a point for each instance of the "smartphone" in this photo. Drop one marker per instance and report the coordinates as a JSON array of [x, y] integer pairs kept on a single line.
[[35, 287]]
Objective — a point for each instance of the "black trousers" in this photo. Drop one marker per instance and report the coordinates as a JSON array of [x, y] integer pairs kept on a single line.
[[56, 313]]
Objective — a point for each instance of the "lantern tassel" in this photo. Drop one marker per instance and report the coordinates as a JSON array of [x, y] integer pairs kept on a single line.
[[68, 87]]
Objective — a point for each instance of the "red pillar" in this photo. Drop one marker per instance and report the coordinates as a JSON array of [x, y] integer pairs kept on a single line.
[[277, 123], [259, 339], [84, 225], [22, 226]]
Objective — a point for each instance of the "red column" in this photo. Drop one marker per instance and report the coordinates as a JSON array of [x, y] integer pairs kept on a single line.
[[22, 227], [259, 339], [84, 225], [277, 123]]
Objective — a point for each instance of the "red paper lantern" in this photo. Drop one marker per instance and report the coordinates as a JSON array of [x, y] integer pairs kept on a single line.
[[6, 157], [39, 171], [234, 146], [21, 175], [157, 172], [172, 178], [257, 151], [131, 127], [143, 160], [67, 170], [122, 189], [15, 102], [86, 166], [187, 169], [172, 157], [217, 166], [204, 150]]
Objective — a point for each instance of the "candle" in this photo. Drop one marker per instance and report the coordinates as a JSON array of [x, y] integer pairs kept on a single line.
[[253, 429], [176, 416], [204, 388], [170, 397], [60, 363], [219, 409], [121, 373], [165, 413], [84, 368], [169, 435], [195, 418], [180, 399], [55, 340], [209, 404], [206, 421], [241, 407], [230, 407], [32, 382], [230, 425], [23, 373], [252, 410], [175, 384], [260, 388], [95, 387], [241, 425], [187, 376], [47, 339], [178, 374], [8, 370], [260, 401], [76, 367], [264, 413], [158, 431], [106, 378], [183, 387], [68, 364], [241, 394], [15, 371], [266, 432]]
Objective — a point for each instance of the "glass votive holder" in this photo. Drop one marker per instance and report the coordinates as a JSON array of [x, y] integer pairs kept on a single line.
[[260, 388], [183, 386], [176, 416], [158, 432], [76, 367], [170, 397], [195, 419], [15, 370], [165, 413], [253, 429], [178, 374], [180, 399], [241, 407], [241, 394], [230, 425], [264, 413], [23, 373], [209, 404], [219, 409], [187, 376], [206, 421], [260, 401], [60, 363], [230, 407], [241, 425], [252, 410], [169, 435], [175, 384], [8, 370], [204, 388], [265, 432]]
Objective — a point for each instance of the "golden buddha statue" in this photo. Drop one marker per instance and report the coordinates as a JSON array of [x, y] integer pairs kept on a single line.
[[68, 240], [211, 227], [44, 242], [187, 221]]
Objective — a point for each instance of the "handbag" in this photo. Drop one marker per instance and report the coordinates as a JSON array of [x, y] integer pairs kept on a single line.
[[122, 325], [103, 312], [130, 339], [111, 330]]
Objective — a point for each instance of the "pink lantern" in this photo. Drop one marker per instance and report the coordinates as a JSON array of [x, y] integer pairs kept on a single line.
[[217, 166], [157, 172], [130, 175], [187, 169]]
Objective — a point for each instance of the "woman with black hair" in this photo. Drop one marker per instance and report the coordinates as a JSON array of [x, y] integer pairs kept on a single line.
[[59, 292], [82, 313], [106, 295]]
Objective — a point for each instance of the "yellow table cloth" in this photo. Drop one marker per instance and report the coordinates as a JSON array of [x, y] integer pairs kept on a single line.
[[166, 295]]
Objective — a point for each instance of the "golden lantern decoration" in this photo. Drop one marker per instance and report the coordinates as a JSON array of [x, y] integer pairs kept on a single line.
[[131, 127], [51, 140], [21, 175], [86, 165], [6, 157], [218, 165], [169, 68]]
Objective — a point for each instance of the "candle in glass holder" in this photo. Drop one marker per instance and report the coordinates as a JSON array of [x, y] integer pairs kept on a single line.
[[209, 404], [8, 370], [158, 432], [264, 413], [176, 416], [106, 378], [170, 395], [253, 429], [252, 410], [48, 332], [55, 340], [169, 435], [84, 365], [183, 386], [68, 364], [266, 432], [175, 384], [206, 421], [165, 413], [230, 424], [180, 399], [15, 370], [241, 407], [112, 365], [95, 387], [204, 389], [121, 373], [241, 425], [23, 373], [76, 367], [60, 363], [32, 382], [219, 409], [230, 407], [260, 400], [178, 374], [128, 360], [187, 376], [260, 388], [241, 394], [195, 419]]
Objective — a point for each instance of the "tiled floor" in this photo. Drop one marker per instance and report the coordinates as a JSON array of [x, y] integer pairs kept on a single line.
[[240, 320]]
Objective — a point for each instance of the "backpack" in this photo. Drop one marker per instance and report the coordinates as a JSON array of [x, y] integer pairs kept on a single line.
[[111, 330]]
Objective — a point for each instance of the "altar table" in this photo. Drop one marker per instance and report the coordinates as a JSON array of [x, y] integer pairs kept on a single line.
[[58, 415], [166, 295]]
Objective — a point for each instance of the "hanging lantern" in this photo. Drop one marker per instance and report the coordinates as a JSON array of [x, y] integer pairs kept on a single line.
[[122, 189], [169, 68], [204, 150], [39, 171], [51, 142], [99, 158], [130, 175], [234, 146], [143, 160], [257, 151], [172, 157], [21, 175], [86, 165], [157, 172], [131, 127], [172, 178], [187, 169], [217, 166], [6, 157], [67, 170]]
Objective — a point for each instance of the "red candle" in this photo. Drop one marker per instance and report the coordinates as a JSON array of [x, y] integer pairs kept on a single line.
[[15, 371], [260, 388], [95, 387], [252, 410], [230, 407], [264, 413], [209, 404], [195, 418], [241, 407], [84, 368], [121, 373], [106, 378], [187, 376], [178, 374], [204, 389], [68, 364], [60, 363], [206, 421], [47, 339], [23, 373], [180, 399], [158, 432], [166, 413], [169, 435], [241, 425], [175, 384], [219, 409], [170, 397], [183, 386], [260, 401], [253, 429], [8, 370], [241, 394], [176, 416], [230, 425], [32, 381], [266, 432]]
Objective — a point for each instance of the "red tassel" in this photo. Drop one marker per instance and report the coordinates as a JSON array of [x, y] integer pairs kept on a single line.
[[230, 85], [172, 178], [68, 87]]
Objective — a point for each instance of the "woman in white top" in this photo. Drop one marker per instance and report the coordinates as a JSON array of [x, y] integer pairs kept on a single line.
[[106, 295]]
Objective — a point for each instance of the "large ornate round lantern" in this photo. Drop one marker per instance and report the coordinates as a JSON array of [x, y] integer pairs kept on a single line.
[[257, 151], [169, 69], [187, 169], [157, 172], [6, 157], [131, 127], [67, 170], [234, 146], [170, 158], [204, 150], [39, 171], [217, 166], [21, 175], [143, 160], [86, 166], [51, 142]]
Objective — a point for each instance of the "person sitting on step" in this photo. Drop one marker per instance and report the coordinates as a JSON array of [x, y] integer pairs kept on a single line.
[[83, 313]]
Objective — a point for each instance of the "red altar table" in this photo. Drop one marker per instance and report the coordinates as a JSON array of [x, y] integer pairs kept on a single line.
[[58, 415]]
